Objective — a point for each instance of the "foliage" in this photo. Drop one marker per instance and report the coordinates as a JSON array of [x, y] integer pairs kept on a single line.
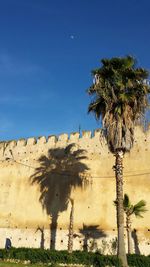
[[120, 98], [136, 209], [77, 257], [138, 260], [130, 209], [52, 256], [19, 264]]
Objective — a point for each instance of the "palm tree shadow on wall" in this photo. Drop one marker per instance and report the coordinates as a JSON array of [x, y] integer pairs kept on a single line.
[[41, 229], [59, 172], [91, 232], [136, 242]]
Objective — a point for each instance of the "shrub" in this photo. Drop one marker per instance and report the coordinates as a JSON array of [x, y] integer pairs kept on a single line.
[[138, 260], [77, 257]]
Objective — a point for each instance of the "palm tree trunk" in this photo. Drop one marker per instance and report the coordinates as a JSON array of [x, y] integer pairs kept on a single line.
[[70, 240], [120, 211], [128, 225]]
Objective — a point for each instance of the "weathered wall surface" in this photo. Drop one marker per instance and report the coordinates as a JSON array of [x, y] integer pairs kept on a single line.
[[38, 177]]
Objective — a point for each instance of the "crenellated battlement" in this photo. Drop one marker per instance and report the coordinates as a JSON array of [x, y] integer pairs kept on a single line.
[[91, 141], [73, 137]]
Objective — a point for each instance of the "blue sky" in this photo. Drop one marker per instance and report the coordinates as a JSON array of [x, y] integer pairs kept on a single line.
[[47, 51]]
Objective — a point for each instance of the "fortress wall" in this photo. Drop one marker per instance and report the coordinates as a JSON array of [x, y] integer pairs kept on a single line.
[[28, 209]]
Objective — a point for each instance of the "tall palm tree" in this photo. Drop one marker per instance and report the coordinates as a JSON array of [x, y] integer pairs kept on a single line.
[[120, 98], [130, 210]]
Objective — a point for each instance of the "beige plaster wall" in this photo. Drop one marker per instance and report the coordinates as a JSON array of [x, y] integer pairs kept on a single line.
[[27, 221]]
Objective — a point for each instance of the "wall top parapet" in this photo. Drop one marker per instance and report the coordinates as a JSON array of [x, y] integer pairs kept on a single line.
[[62, 139], [74, 136]]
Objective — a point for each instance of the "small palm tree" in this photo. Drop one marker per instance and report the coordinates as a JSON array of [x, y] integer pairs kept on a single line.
[[137, 210], [120, 98]]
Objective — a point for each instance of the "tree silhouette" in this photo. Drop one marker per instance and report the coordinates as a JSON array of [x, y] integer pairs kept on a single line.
[[41, 229], [91, 231], [136, 242], [59, 172]]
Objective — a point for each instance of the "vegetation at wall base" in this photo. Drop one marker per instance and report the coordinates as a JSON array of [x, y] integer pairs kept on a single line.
[[138, 260], [53, 256], [77, 257]]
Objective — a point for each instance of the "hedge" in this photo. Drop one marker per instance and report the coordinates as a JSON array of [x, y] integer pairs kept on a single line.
[[53, 256], [77, 257], [138, 260]]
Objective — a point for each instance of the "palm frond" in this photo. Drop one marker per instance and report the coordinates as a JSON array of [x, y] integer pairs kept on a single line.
[[139, 208], [126, 201], [120, 98]]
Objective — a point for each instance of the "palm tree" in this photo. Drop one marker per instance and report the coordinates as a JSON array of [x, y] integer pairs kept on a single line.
[[130, 210], [70, 240], [120, 99]]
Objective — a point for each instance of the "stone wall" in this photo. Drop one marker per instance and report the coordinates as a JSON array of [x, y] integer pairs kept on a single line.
[[39, 176]]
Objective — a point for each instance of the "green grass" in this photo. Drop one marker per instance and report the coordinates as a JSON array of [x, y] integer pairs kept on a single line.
[[9, 264]]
